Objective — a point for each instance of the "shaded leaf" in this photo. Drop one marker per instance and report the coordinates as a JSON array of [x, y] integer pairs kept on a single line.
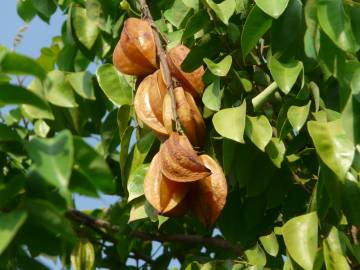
[[276, 151], [135, 184], [10, 223]]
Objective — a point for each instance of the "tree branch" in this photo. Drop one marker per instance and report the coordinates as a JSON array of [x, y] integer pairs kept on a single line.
[[163, 62], [99, 224]]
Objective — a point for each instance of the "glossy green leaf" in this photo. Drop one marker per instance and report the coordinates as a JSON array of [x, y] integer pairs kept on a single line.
[[301, 239], [212, 96], [332, 145], [274, 9], [258, 130], [93, 166], [82, 84], [53, 158], [15, 63], [199, 21], [83, 255], [10, 223], [336, 24], [276, 151], [194, 4], [135, 184], [86, 30], [297, 116], [256, 255], [270, 244], [59, 91], [224, 10], [12, 94], [256, 25], [285, 74], [219, 69], [230, 123], [114, 85]]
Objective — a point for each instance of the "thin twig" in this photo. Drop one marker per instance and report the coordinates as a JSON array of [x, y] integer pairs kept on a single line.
[[163, 62], [99, 225], [354, 234]]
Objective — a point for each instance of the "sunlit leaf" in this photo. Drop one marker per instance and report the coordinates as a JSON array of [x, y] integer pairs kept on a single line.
[[297, 116], [258, 130], [274, 9], [224, 10]]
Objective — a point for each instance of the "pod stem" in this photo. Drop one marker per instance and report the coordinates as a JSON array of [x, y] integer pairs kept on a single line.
[[163, 62]]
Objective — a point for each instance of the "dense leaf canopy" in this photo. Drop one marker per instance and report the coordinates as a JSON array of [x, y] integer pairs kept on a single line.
[[282, 112]]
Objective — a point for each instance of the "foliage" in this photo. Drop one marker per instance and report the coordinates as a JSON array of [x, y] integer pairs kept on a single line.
[[282, 112]]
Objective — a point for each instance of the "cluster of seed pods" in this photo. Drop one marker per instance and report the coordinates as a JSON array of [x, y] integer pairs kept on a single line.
[[178, 179]]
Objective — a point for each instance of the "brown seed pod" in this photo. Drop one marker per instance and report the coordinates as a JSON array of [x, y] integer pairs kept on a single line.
[[157, 93], [135, 53], [191, 81], [144, 109], [189, 116], [208, 195], [179, 162], [163, 194]]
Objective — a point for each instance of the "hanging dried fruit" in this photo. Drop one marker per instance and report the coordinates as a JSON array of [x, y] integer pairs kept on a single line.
[[150, 114], [135, 53], [191, 81], [179, 162], [189, 116], [163, 194], [208, 195]]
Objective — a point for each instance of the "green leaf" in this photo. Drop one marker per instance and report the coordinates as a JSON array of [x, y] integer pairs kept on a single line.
[[12, 94], [334, 251], [114, 85], [46, 215], [351, 200], [41, 128], [258, 130], [230, 123], [53, 158], [270, 244], [18, 64], [44, 7], [272, 8], [336, 24], [177, 13], [83, 255], [135, 184], [212, 96], [33, 112], [301, 239], [137, 211], [92, 165], [199, 21], [332, 145], [224, 10], [276, 151], [82, 84], [285, 74], [219, 69], [10, 223], [194, 4], [86, 30], [256, 25], [7, 134], [59, 91], [297, 116], [123, 118], [25, 9], [256, 255]]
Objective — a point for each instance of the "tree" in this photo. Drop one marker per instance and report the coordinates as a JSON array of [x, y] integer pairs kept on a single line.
[[281, 108]]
